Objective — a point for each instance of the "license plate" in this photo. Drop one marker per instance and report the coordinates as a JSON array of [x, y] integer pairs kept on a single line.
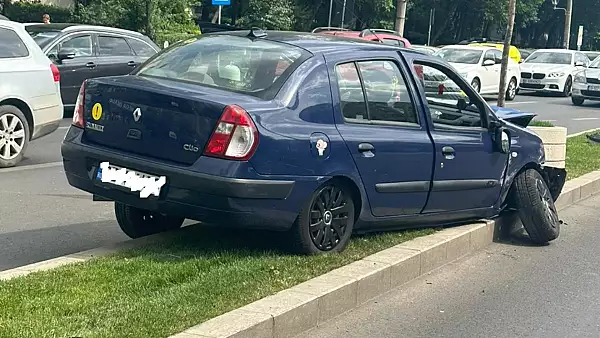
[[134, 180], [594, 88], [531, 81]]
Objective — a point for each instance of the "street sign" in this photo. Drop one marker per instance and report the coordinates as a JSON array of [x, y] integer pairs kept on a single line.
[[221, 2], [579, 37]]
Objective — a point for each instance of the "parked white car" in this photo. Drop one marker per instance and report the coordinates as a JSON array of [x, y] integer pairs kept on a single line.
[[481, 67], [30, 101], [552, 70], [586, 84]]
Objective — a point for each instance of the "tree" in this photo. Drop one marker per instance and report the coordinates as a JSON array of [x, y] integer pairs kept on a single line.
[[507, 42]]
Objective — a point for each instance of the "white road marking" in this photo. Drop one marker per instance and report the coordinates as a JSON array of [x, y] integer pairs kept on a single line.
[[32, 166], [585, 118]]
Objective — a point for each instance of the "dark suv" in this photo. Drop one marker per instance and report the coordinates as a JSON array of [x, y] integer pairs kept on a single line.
[[82, 52]]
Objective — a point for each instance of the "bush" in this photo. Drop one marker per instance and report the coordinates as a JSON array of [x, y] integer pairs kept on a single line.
[[32, 11]]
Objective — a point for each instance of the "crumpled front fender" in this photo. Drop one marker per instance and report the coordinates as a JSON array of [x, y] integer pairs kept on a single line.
[[555, 177]]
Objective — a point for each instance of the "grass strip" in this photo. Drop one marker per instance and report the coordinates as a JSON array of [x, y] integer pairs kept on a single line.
[[583, 156], [193, 275]]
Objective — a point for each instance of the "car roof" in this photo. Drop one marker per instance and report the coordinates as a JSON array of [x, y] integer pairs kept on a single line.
[[73, 27], [471, 47], [10, 24], [318, 43], [556, 50]]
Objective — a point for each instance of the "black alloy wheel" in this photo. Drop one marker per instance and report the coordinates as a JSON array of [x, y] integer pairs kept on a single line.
[[329, 217]]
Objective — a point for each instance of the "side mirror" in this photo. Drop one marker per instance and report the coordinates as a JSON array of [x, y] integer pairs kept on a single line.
[[66, 55], [489, 62], [462, 104], [579, 64], [502, 139]]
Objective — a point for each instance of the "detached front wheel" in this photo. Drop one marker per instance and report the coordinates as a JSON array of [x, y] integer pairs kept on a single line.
[[137, 223], [326, 222], [536, 207]]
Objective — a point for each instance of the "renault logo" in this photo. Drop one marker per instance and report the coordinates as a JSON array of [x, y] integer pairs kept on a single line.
[[137, 114]]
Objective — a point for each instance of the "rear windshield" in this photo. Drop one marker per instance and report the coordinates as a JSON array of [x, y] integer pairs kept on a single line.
[[40, 36], [256, 67]]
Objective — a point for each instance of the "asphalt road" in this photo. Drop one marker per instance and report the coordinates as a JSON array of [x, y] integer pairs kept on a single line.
[[506, 290], [42, 217]]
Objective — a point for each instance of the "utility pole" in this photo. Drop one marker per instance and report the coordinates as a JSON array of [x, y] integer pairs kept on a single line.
[[400, 16], [507, 40], [567, 36]]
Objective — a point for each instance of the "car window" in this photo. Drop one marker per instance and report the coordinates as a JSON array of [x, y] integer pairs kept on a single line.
[[489, 55], [352, 98], [497, 55], [387, 95], [257, 67], [12, 45], [141, 48], [443, 96], [80, 45], [460, 55], [113, 46]]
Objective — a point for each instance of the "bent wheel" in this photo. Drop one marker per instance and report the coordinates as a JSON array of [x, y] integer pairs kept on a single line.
[[14, 136], [325, 223], [536, 207], [137, 222]]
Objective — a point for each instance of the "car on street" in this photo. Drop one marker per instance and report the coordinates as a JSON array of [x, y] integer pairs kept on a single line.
[[552, 70], [385, 36], [84, 52], [30, 101], [426, 49], [480, 66], [592, 55], [513, 52], [314, 135], [586, 84], [525, 54]]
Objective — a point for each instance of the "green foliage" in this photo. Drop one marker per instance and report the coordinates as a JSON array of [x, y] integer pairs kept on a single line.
[[32, 11], [269, 14], [539, 123]]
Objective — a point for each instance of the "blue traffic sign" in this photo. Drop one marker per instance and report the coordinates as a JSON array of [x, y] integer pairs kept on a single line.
[[221, 2]]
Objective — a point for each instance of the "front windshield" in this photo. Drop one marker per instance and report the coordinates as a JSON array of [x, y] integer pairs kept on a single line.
[[556, 58], [595, 63], [460, 55]]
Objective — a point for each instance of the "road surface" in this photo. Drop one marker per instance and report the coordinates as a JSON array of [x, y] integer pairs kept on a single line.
[[42, 217], [506, 290]]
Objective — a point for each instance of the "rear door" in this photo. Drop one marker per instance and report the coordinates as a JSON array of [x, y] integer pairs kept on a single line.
[[142, 50], [468, 172], [115, 56], [377, 118]]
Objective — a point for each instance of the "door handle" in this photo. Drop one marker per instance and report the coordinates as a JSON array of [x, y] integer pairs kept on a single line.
[[90, 65], [131, 63], [364, 147], [448, 152]]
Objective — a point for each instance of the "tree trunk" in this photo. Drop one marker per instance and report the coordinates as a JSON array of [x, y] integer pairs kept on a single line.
[[507, 39], [149, 29]]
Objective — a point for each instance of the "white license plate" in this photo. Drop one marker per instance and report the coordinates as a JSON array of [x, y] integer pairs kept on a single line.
[[594, 88], [531, 81], [146, 184]]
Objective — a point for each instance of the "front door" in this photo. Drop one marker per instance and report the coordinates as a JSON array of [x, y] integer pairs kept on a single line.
[[74, 71], [381, 126], [468, 171], [490, 81]]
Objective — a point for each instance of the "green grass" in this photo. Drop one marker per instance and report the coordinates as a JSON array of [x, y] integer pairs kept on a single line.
[[193, 275], [540, 123], [583, 156]]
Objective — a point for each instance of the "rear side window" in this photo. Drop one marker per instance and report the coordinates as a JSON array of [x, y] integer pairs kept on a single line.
[[113, 46], [12, 45], [141, 48], [257, 67]]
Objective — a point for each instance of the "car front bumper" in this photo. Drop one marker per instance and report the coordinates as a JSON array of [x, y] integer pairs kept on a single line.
[[263, 202], [545, 85], [586, 91], [556, 178]]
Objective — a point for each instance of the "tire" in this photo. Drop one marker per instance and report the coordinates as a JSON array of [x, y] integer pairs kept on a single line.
[[332, 201], [137, 223], [14, 136], [568, 87], [578, 101], [476, 84], [511, 90], [536, 207]]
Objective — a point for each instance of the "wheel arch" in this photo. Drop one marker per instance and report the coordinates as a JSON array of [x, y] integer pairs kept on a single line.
[[508, 201], [355, 192], [24, 107]]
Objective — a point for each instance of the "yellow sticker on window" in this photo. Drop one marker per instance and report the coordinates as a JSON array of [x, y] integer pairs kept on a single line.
[[97, 111]]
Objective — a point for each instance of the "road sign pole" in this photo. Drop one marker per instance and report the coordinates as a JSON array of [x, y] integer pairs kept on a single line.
[[580, 37], [220, 8]]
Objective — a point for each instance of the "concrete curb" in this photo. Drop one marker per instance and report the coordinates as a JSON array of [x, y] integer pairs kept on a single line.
[[293, 311], [304, 306]]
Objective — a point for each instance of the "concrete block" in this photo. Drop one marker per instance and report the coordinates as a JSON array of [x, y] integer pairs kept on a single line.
[[337, 294], [458, 246], [51, 263], [434, 257], [405, 264], [591, 185], [188, 335], [373, 278], [237, 323], [13, 273], [571, 193], [482, 236], [550, 135], [555, 152], [292, 312]]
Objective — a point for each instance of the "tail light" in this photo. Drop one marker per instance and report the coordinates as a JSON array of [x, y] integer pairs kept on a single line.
[[55, 72], [78, 120], [235, 136]]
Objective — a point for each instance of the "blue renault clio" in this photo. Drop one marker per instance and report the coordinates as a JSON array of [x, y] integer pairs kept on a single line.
[[318, 136]]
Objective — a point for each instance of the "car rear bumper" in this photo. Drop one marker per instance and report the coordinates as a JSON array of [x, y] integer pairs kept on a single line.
[[257, 202]]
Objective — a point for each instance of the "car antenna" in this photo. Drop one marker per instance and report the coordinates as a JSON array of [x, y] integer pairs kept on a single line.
[[366, 30], [256, 32]]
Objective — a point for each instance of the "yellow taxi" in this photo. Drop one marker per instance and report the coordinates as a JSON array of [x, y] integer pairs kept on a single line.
[[513, 51]]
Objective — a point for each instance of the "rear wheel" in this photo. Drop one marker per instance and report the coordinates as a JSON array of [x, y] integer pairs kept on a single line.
[[137, 222], [578, 101], [326, 221], [511, 90], [14, 136], [536, 207]]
